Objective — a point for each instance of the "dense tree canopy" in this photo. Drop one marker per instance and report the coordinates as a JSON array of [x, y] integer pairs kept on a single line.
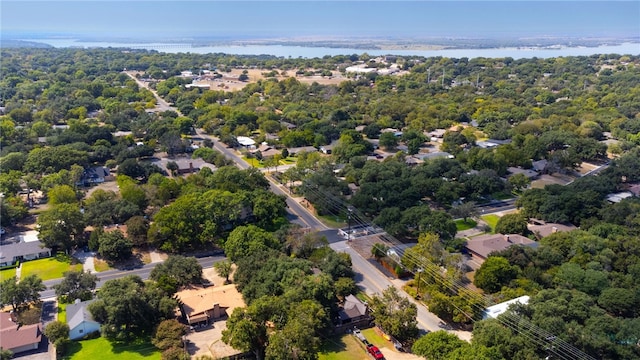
[[127, 307]]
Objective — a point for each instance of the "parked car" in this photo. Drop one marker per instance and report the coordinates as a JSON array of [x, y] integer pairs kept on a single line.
[[375, 352]]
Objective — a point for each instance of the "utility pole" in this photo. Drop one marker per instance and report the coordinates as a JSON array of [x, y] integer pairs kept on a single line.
[[419, 272], [349, 211]]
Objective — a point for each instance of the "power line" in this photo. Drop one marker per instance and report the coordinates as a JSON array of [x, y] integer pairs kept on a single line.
[[516, 323]]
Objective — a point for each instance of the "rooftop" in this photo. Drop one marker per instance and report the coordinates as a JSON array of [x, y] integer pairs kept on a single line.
[[484, 245], [78, 312], [498, 309], [13, 336]]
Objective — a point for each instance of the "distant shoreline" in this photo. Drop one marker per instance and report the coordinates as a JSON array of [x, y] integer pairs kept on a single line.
[[319, 49]]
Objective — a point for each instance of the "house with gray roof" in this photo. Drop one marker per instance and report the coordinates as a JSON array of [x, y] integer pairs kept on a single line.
[[11, 253], [80, 320], [353, 312]]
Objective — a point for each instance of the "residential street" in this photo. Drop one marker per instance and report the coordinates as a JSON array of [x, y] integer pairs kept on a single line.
[[143, 272], [370, 279]]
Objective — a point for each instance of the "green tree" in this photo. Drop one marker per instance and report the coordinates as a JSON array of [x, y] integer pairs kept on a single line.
[[223, 268], [114, 246], [60, 226], [177, 270], [245, 240], [299, 338], [128, 308], [437, 345], [388, 140], [494, 273], [169, 334], [76, 285], [58, 334], [22, 293], [620, 302], [512, 224], [465, 210], [519, 181], [134, 194], [137, 229], [395, 314], [6, 354], [428, 248], [246, 331]]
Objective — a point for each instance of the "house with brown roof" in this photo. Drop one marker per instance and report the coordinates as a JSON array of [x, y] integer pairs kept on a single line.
[[546, 229], [481, 246], [18, 338], [204, 305]]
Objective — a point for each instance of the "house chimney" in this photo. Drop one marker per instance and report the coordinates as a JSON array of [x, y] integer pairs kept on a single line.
[[506, 238], [190, 167], [554, 229]]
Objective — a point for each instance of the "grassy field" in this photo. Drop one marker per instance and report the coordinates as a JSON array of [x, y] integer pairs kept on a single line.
[[49, 268], [101, 348], [7, 273], [345, 347], [461, 225], [492, 220]]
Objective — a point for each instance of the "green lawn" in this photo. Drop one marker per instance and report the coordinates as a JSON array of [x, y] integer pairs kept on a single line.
[[375, 338], [7, 273], [101, 348], [101, 265], [253, 162], [461, 225], [289, 160], [345, 347], [492, 220], [62, 312], [49, 268]]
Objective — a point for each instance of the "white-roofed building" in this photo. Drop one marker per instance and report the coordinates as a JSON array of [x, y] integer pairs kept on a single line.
[[246, 141], [494, 311]]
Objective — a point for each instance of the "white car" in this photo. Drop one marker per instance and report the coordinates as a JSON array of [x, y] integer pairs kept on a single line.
[[2, 231]]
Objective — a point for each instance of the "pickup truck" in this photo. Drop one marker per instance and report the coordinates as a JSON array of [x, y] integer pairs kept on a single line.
[[375, 352]]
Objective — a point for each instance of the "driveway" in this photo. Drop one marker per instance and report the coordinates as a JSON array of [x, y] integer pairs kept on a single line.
[[45, 351]]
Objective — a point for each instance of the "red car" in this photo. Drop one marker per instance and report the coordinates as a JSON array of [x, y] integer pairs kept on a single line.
[[375, 352]]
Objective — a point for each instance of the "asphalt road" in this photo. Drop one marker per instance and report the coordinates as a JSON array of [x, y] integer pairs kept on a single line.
[[497, 205], [368, 277], [374, 282], [296, 212], [161, 104], [143, 272]]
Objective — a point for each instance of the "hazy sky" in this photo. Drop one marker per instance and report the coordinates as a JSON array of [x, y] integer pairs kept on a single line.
[[405, 19]]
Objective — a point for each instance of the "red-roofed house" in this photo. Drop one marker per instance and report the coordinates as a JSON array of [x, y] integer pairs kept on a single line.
[[18, 338]]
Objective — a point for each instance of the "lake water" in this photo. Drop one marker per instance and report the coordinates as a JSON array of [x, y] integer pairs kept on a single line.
[[312, 52]]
